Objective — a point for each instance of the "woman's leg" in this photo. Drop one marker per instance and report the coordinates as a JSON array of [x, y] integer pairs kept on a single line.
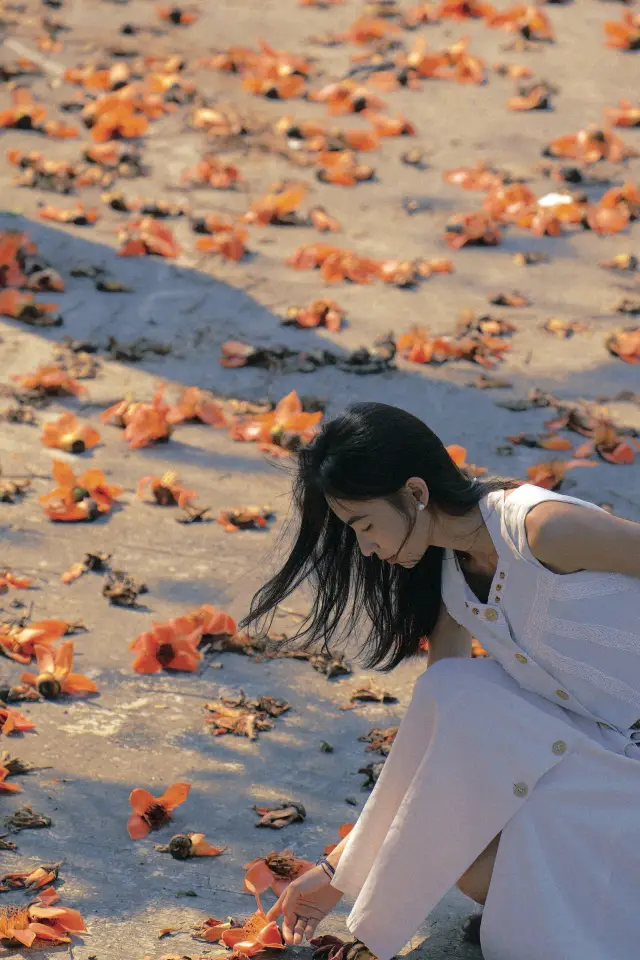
[[474, 882]]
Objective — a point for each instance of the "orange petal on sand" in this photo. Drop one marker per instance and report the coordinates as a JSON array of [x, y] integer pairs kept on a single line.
[[77, 683], [201, 848], [174, 795], [140, 799], [258, 877], [137, 827]]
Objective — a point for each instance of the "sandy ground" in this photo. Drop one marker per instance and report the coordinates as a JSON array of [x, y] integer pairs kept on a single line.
[[148, 731]]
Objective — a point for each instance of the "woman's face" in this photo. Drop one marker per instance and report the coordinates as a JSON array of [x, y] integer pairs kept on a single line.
[[380, 528]]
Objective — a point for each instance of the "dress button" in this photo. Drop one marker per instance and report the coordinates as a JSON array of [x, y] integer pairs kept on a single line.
[[520, 657], [559, 747], [520, 789], [502, 576], [562, 694], [475, 611], [498, 586], [490, 615]]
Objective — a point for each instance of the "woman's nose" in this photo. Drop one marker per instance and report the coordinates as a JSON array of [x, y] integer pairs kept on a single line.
[[367, 548]]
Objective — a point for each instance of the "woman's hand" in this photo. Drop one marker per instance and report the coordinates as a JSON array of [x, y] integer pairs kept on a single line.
[[304, 903]]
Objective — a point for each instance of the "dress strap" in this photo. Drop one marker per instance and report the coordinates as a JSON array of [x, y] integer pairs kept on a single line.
[[516, 506]]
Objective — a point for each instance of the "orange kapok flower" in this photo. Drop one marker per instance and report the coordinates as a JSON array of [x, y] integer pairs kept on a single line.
[[7, 787], [166, 490], [18, 643], [274, 871], [254, 936], [276, 429], [54, 676], [8, 579], [168, 646], [197, 404], [81, 498], [186, 845], [459, 456], [12, 721], [144, 423], [67, 433], [150, 813], [49, 379], [39, 921]]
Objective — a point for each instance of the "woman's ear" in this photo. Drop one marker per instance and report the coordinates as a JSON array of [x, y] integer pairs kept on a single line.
[[418, 489]]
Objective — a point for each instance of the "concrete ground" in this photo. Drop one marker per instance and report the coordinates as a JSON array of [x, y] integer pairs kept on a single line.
[[147, 731]]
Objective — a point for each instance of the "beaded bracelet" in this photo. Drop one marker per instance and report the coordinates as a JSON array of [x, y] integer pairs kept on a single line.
[[326, 866]]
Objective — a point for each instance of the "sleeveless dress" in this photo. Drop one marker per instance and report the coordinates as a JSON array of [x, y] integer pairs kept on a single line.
[[535, 742]]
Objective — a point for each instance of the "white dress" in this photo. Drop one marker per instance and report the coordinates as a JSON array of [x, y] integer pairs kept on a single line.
[[534, 742]]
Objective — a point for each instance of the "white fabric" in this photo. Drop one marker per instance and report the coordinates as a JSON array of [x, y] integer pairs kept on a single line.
[[481, 752], [579, 632]]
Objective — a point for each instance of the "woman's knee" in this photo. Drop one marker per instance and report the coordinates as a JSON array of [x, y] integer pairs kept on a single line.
[[475, 881]]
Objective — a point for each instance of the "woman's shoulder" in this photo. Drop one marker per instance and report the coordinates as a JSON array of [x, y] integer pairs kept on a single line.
[[518, 504]]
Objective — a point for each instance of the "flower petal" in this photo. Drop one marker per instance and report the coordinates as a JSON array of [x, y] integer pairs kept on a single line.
[[141, 800], [176, 794], [137, 827]]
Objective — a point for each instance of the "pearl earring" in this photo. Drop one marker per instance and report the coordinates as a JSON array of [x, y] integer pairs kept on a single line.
[[421, 506]]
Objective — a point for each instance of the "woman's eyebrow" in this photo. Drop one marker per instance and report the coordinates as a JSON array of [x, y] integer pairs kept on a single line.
[[353, 520]]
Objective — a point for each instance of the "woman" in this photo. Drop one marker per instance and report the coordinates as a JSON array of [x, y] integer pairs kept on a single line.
[[515, 775]]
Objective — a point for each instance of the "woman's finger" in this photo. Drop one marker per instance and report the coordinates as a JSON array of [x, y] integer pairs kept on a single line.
[[274, 912], [310, 928], [298, 930], [288, 924]]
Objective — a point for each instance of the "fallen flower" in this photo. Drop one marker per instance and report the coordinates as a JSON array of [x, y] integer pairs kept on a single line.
[[624, 115], [513, 299], [550, 475], [12, 721], [144, 423], [7, 788], [563, 328], [243, 717], [283, 429], [54, 678], [623, 343], [166, 490], [243, 518], [623, 34], [370, 692], [122, 590], [49, 380], [213, 172], [18, 642], [167, 646], [23, 307], [79, 216], [621, 261], [196, 405], [186, 845], [319, 313], [274, 871], [278, 207], [252, 937], [230, 244], [81, 498], [151, 813], [459, 456], [10, 491], [178, 16], [8, 579], [146, 236], [27, 819], [590, 145], [67, 433], [344, 829], [280, 815], [92, 561], [30, 879], [39, 922], [472, 229]]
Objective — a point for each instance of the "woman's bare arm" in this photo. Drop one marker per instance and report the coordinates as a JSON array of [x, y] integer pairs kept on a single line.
[[448, 639], [567, 537]]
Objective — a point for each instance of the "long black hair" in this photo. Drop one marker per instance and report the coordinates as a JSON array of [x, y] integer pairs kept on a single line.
[[369, 451]]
